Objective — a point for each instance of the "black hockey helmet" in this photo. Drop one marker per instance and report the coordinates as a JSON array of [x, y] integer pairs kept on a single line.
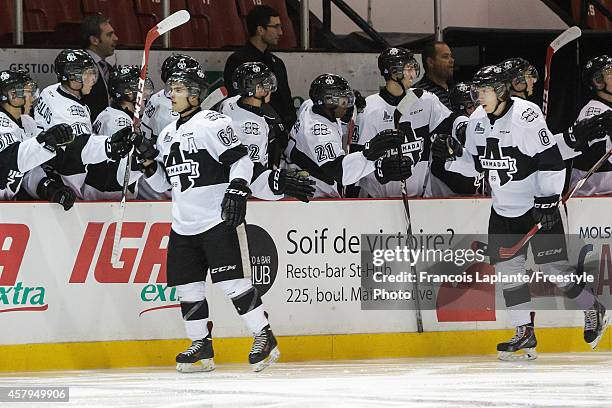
[[123, 83], [194, 79], [460, 98], [330, 90], [250, 74], [594, 70], [177, 62], [17, 81], [393, 60], [494, 76], [518, 68], [70, 64]]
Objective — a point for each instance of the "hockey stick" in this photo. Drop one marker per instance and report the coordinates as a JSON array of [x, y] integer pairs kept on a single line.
[[214, 98], [402, 109], [565, 37], [172, 21], [506, 253]]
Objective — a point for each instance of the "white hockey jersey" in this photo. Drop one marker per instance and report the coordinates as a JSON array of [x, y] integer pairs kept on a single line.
[[376, 117], [518, 154], [315, 145], [251, 127], [157, 115], [455, 177], [199, 155], [599, 183], [109, 121], [19, 152], [425, 116], [57, 106]]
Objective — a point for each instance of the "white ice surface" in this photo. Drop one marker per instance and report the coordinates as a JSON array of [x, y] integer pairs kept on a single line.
[[554, 380]]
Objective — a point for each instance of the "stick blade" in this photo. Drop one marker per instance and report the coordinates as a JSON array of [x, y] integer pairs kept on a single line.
[[565, 37], [172, 21], [214, 98]]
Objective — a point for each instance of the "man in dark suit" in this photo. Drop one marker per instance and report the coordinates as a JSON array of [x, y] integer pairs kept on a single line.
[[265, 29], [99, 40]]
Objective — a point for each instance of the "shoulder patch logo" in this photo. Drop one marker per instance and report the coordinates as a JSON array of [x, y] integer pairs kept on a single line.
[[386, 117], [479, 128], [529, 115]]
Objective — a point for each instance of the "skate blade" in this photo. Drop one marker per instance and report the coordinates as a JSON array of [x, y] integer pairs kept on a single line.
[[199, 367], [528, 354], [606, 322], [274, 355]]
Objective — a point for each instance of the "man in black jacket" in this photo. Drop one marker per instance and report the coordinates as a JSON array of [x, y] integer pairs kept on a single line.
[[265, 29], [99, 40]]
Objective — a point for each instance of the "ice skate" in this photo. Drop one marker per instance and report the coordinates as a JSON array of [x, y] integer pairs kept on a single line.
[[198, 357], [596, 321], [264, 351], [520, 347]]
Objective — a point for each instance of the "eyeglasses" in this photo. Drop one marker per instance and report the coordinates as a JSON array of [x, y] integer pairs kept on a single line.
[[275, 26]]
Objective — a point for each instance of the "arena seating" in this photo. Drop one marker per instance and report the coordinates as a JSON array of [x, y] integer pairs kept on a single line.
[[213, 24]]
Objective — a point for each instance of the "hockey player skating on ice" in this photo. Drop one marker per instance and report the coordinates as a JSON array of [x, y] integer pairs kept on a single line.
[[23, 146], [208, 170], [447, 179], [508, 139], [61, 103], [123, 87], [315, 142]]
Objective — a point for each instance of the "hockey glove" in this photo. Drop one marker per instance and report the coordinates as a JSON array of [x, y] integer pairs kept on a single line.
[[144, 148], [292, 183], [233, 206], [546, 211], [388, 139], [578, 136], [446, 147], [55, 191], [58, 135], [395, 168], [120, 143]]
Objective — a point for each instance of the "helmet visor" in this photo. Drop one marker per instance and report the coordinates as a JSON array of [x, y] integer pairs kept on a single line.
[[483, 91], [340, 98], [270, 84], [181, 89], [86, 75]]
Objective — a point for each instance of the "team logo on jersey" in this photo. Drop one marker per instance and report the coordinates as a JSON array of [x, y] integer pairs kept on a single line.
[[76, 110], [387, 117], [320, 129], [4, 76], [479, 128], [592, 111], [529, 115], [493, 159], [181, 171], [4, 122]]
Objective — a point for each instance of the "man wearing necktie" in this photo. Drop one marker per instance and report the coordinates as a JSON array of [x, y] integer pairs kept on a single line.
[[99, 40]]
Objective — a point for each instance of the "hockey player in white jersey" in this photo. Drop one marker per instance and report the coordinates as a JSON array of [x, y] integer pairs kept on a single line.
[[23, 146], [61, 103], [591, 136], [508, 139], [123, 87], [315, 142], [399, 68], [523, 75], [210, 173], [427, 117], [255, 83], [452, 177], [158, 114]]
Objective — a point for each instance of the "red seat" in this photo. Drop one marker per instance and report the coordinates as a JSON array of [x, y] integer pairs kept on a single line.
[[36, 31], [222, 21], [288, 39]]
